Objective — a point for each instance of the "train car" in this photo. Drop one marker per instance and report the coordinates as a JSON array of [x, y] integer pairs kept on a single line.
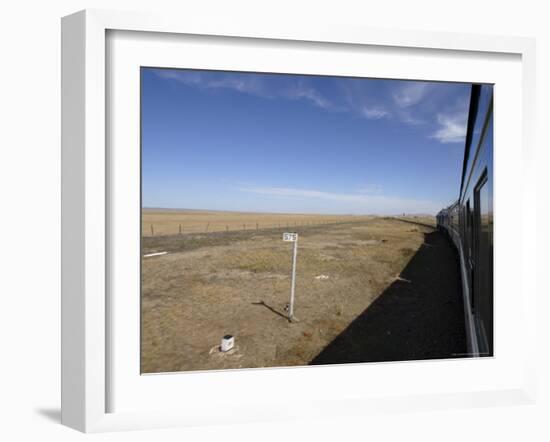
[[448, 222], [469, 223]]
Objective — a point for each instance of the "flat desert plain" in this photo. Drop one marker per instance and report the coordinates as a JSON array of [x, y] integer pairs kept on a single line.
[[237, 282], [156, 222]]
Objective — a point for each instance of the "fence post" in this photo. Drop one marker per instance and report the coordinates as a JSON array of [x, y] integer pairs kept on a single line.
[[152, 231]]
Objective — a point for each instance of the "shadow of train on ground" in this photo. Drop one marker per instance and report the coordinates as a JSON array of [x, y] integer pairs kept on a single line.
[[419, 316]]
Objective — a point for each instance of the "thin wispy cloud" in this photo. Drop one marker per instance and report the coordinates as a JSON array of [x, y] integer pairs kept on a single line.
[[452, 124], [420, 105], [300, 90], [408, 102], [190, 78], [370, 189], [359, 99], [247, 84], [253, 84], [374, 113], [452, 129], [356, 203], [409, 93], [412, 118]]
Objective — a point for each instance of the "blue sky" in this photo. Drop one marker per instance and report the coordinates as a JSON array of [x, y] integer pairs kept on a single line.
[[293, 143]]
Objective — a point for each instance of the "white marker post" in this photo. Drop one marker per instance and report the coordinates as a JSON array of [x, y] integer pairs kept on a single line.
[[292, 237]]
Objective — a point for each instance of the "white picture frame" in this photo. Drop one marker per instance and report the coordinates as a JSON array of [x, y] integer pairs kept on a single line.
[[86, 316]]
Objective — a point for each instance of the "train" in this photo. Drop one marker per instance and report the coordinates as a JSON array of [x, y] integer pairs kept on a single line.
[[468, 223]]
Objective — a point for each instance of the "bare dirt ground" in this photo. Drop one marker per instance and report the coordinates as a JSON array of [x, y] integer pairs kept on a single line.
[[238, 282]]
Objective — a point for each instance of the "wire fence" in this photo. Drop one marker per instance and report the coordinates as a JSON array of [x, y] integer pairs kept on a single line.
[[169, 229]]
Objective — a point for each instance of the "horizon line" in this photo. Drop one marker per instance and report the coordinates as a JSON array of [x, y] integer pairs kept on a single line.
[[184, 209]]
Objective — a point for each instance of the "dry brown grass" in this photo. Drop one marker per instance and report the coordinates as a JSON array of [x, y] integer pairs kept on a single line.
[[169, 222], [209, 285]]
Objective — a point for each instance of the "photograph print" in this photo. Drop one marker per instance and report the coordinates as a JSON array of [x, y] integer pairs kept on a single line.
[[294, 220]]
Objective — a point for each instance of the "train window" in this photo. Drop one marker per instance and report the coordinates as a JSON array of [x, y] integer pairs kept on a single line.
[[483, 253], [468, 235], [462, 223]]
